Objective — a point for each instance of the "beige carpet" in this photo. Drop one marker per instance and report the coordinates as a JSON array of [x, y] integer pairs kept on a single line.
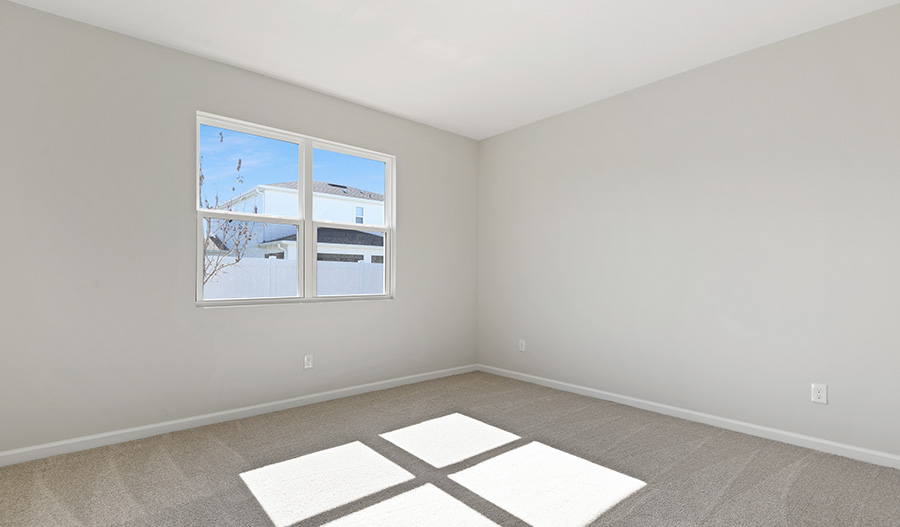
[[696, 475]]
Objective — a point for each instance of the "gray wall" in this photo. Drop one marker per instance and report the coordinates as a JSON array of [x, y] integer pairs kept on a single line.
[[715, 241], [99, 327]]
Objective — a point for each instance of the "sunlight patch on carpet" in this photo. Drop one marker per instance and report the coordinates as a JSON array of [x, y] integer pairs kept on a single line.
[[299, 488], [547, 487], [450, 439], [425, 505]]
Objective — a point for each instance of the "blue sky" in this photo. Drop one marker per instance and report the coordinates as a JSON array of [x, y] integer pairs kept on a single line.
[[265, 161]]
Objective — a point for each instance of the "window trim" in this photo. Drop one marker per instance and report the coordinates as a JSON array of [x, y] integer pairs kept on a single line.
[[307, 227]]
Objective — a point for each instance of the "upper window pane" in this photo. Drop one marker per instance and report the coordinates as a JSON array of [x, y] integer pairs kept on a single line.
[[248, 173], [344, 184]]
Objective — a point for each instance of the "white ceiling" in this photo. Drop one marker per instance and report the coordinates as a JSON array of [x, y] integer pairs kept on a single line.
[[474, 67]]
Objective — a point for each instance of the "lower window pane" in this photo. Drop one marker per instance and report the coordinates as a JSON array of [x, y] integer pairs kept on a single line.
[[246, 259], [349, 262]]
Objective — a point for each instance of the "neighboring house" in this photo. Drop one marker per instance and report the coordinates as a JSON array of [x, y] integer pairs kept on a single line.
[[331, 202]]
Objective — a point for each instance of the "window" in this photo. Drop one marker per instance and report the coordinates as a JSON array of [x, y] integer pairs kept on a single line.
[[283, 216]]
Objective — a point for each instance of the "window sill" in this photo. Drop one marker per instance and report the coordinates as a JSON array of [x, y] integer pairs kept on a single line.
[[275, 301]]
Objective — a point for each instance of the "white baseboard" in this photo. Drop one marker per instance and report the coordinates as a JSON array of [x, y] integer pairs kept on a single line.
[[831, 447], [20, 455]]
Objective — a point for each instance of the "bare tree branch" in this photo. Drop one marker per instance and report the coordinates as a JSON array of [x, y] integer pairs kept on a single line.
[[226, 241]]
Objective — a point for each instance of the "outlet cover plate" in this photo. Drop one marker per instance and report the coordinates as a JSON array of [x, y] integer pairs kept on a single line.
[[820, 393]]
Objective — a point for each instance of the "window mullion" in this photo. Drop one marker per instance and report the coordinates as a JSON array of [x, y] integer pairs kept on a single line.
[[309, 252], [301, 228]]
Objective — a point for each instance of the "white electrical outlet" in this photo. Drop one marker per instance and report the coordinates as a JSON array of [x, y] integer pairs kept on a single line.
[[307, 362], [522, 345], [820, 393]]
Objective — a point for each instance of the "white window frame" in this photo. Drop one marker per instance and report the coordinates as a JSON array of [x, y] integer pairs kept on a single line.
[[306, 226]]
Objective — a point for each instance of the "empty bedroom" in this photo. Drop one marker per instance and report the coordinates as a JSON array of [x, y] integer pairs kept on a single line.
[[413, 263]]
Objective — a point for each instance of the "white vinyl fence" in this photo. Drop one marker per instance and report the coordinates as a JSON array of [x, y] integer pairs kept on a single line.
[[349, 278], [268, 278]]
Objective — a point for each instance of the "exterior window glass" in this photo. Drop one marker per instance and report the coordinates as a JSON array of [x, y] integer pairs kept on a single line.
[[345, 185], [239, 170], [236, 265], [351, 262]]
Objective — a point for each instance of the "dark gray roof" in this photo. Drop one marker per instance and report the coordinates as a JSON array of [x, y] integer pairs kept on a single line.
[[341, 236], [289, 238], [213, 242], [332, 188]]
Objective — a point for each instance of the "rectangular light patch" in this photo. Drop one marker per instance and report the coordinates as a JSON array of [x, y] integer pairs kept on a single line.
[[425, 505], [299, 488], [547, 487], [450, 439]]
